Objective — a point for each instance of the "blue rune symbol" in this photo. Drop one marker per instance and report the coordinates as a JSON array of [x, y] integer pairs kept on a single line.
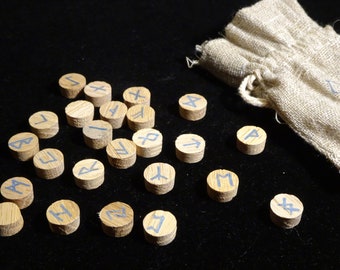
[[149, 137], [156, 229], [139, 114], [120, 213], [332, 86], [227, 175], [14, 185], [252, 134], [114, 110], [158, 176], [53, 159], [71, 80], [192, 101], [195, 142], [57, 215], [44, 119], [98, 88], [288, 206], [136, 94], [98, 128], [19, 143], [85, 170], [122, 150]]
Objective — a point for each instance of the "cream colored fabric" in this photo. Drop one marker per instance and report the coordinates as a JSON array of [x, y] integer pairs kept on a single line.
[[280, 58]]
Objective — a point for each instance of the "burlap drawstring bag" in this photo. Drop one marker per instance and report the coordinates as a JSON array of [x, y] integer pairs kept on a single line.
[[278, 57]]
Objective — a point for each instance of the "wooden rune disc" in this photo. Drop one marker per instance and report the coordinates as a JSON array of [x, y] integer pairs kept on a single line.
[[79, 113], [113, 112], [97, 134], [121, 153], [88, 173], [190, 148], [44, 124], [117, 219], [24, 145], [222, 185], [18, 190], [286, 210], [71, 85], [160, 227], [11, 220], [192, 106], [137, 95], [49, 163], [251, 140], [148, 141], [63, 217], [140, 116], [98, 93]]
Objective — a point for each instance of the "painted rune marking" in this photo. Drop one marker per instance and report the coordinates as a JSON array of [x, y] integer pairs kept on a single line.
[[149, 138], [53, 159], [19, 143], [227, 175], [192, 101], [158, 176], [120, 213], [42, 121], [98, 88], [252, 134], [288, 206], [114, 110], [71, 80], [161, 220], [137, 94], [85, 170], [139, 114], [57, 215], [195, 142], [16, 183], [98, 128], [122, 150], [332, 86]]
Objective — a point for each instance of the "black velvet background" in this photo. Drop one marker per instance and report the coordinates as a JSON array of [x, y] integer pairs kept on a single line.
[[129, 43]]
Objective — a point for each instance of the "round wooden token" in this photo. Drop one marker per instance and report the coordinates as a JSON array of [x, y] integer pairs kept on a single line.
[[18, 190], [71, 85], [113, 112], [44, 124], [97, 134], [24, 145], [222, 185], [159, 178], [251, 140], [140, 116], [116, 219], [11, 220], [121, 153], [49, 163], [148, 141], [79, 112], [190, 148], [160, 227], [286, 210], [137, 95], [63, 217], [88, 173], [98, 93], [192, 106]]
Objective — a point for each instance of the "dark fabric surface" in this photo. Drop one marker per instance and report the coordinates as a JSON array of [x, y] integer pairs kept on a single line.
[[128, 43]]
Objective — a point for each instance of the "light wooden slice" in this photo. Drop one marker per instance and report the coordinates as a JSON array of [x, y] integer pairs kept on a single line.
[[71, 85], [137, 95], [159, 178], [113, 112], [222, 185], [49, 163], [88, 173], [18, 190], [98, 93], [79, 113], [190, 148], [11, 220], [192, 106], [24, 145], [251, 140], [148, 141], [63, 217], [121, 153], [140, 116], [44, 124], [97, 134]]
